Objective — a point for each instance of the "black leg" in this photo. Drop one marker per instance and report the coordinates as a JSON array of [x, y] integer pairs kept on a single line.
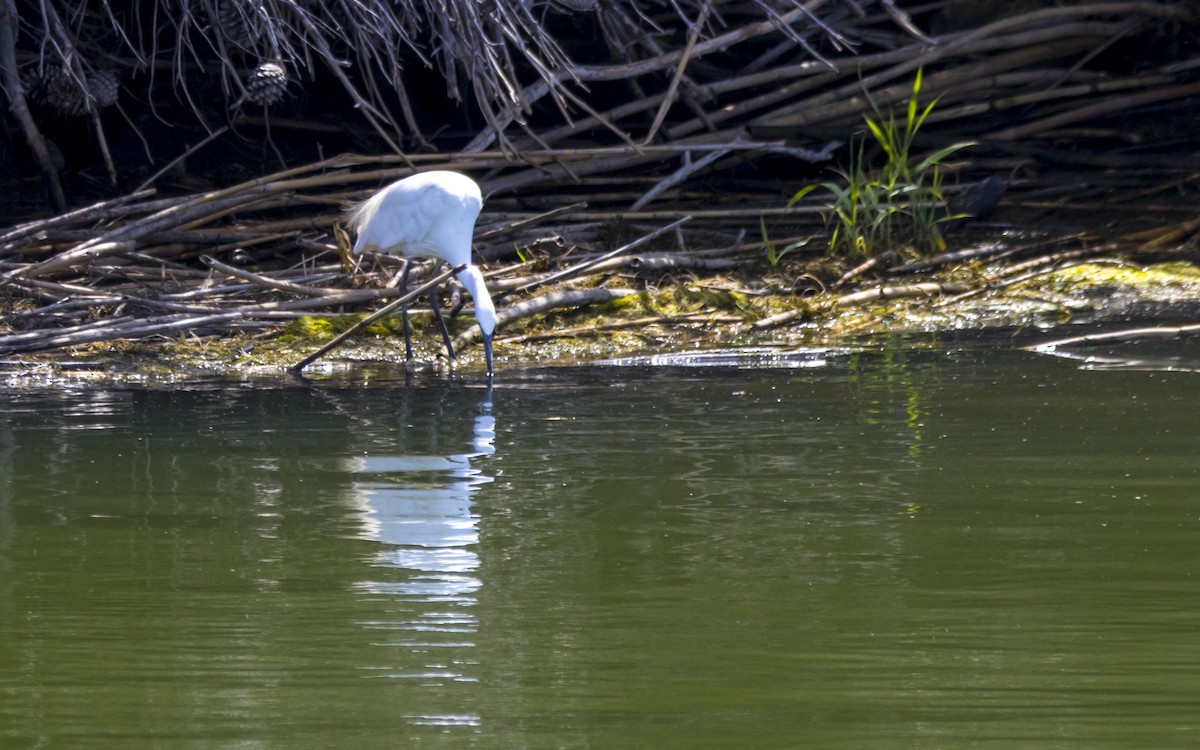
[[435, 303], [408, 355]]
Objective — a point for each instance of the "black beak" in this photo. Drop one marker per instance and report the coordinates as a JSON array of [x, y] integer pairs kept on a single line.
[[487, 353]]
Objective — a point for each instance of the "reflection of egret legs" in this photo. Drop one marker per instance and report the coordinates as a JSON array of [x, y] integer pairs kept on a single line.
[[485, 426], [423, 501], [426, 581]]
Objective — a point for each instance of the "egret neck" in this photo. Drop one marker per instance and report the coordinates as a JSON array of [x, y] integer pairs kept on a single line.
[[485, 311]]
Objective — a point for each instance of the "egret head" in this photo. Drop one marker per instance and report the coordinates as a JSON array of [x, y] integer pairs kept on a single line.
[[485, 311]]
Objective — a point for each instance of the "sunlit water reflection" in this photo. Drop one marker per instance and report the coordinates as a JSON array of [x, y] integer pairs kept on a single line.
[[420, 506]]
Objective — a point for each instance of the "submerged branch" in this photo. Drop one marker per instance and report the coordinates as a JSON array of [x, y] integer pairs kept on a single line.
[[1129, 334]]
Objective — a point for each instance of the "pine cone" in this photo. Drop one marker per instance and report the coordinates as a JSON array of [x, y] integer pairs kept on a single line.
[[104, 86], [62, 91], [267, 84]]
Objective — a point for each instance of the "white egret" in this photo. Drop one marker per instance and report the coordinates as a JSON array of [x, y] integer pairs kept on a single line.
[[431, 214]]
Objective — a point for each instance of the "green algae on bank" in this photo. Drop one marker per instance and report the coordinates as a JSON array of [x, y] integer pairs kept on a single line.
[[708, 314], [1169, 280]]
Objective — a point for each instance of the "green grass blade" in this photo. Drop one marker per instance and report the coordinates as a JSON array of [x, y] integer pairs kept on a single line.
[[769, 246], [937, 156], [799, 196]]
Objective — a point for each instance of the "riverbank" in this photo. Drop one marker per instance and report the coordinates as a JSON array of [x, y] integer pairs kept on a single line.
[[720, 313]]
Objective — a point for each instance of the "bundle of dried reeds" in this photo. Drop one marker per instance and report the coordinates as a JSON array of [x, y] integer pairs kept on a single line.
[[265, 252], [547, 73]]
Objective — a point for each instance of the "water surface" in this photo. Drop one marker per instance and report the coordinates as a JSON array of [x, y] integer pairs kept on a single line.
[[895, 550]]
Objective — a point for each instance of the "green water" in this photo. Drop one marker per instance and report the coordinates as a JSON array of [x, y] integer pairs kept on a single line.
[[931, 550]]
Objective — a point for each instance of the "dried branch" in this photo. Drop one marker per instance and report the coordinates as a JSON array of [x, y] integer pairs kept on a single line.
[[1129, 334], [553, 301]]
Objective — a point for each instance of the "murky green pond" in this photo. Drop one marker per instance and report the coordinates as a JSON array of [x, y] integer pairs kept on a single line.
[[934, 550]]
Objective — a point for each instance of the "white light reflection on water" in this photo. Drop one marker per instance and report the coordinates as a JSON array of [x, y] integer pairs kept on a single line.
[[741, 357], [419, 506]]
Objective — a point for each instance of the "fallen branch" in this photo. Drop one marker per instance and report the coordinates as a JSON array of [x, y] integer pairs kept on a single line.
[[266, 282], [1030, 269], [778, 319], [1171, 236], [1130, 334], [897, 292], [621, 325], [665, 262], [579, 268], [882, 261], [545, 303]]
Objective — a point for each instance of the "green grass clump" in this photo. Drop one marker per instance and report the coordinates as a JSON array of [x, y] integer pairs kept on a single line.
[[876, 210]]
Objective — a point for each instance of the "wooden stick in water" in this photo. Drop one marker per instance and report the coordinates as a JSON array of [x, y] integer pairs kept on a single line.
[[337, 341]]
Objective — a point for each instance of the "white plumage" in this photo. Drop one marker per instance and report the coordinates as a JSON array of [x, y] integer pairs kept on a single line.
[[431, 214]]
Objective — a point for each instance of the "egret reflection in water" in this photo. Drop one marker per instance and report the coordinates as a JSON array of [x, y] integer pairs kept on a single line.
[[418, 504]]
